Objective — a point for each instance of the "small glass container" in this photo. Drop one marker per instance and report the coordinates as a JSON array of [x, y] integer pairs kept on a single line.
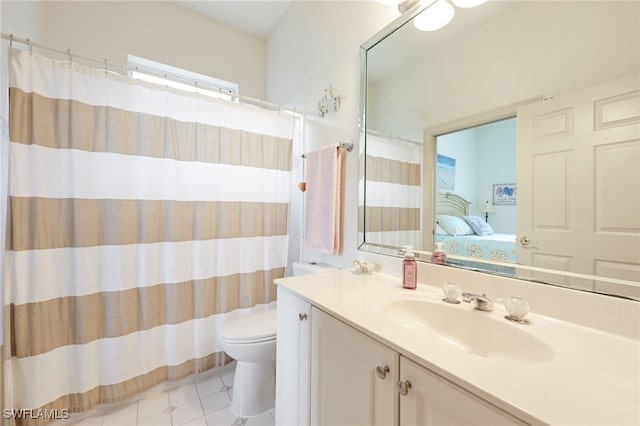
[[452, 293], [517, 307]]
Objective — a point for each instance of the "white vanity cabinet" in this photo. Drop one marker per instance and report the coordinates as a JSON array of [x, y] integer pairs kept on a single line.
[[432, 400], [353, 377], [329, 373], [292, 359]]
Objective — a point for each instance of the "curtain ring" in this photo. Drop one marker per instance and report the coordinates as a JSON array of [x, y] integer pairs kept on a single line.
[[11, 40], [69, 54], [29, 46], [105, 66]]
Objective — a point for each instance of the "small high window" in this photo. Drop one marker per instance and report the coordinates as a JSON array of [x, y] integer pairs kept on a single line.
[[159, 73]]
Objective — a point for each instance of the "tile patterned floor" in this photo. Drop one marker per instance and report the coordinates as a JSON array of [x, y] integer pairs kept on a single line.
[[207, 402]]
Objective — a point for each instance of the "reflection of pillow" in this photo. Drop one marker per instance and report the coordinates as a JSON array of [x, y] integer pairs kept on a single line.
[[478, 225], [454, 225], [440, 230]]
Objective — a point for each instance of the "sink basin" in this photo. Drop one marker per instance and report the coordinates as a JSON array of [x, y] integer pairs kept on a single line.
[[478, 333]]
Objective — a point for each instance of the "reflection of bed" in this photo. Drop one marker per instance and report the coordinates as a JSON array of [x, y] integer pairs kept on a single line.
[[496, 247]]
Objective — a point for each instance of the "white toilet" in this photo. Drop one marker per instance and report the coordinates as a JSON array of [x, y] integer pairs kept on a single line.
[[251, 341]]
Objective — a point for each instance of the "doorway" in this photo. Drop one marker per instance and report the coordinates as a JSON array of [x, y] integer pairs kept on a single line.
[[472, 160]]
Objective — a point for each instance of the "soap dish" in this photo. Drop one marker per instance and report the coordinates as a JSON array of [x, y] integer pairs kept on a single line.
[[363, 267]]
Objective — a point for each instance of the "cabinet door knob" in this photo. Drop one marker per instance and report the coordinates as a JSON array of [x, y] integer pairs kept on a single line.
[[382, 371], [302, 316], [403, 387]]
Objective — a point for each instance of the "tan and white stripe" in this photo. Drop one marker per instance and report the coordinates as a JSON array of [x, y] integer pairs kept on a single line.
[[58, 80], [114, 362], [139, 220], [64, 173], [393, 192], [139, 265]]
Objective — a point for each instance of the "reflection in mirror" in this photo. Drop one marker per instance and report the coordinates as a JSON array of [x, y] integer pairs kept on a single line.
[[394, 191], [468, 163], [529, 107]]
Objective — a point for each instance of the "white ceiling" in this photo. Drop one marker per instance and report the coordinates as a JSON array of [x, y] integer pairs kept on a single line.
[[256, 17]]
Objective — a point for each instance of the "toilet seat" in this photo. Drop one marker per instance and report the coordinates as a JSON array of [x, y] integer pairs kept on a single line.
[[253, 328]]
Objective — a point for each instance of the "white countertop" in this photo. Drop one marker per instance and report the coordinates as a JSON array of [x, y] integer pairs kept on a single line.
[[591, 378]]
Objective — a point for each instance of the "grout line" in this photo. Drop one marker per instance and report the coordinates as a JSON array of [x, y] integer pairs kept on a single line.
[[225, 388], [204, 415]]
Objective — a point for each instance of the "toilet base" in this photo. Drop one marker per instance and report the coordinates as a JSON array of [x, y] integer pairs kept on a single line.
[[254, 389]]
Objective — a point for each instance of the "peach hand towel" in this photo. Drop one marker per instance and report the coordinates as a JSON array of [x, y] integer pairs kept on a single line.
[[322, 200]]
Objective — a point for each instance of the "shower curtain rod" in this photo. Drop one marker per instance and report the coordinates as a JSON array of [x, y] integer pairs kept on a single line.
[[395, 138], [106, 65]]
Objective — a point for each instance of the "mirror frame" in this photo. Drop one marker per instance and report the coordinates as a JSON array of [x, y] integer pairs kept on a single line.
[[407, 16], [476, 265]]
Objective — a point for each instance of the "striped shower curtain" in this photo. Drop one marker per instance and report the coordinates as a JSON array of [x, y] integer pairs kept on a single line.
[[139, 219], [393, 191]]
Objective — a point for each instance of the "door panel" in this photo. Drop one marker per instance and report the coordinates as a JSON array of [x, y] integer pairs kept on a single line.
[[579, 183], [292, 360], [345, 386], [434, 401]]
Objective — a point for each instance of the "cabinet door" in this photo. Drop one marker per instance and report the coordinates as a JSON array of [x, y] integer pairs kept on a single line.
[[292, 360], [432, 400], [347, 388]]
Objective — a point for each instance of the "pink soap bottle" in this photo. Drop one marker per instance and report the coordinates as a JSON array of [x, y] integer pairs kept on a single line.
[[439, 256], [409, 269]]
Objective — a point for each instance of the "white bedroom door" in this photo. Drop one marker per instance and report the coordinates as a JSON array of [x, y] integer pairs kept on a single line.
[[579, 182]]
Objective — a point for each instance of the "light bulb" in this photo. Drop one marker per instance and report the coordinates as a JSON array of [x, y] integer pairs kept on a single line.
[[468, 3], [435, 16]]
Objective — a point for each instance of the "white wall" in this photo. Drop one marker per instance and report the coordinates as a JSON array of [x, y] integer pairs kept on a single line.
[[315, 45], [160, 31], [497, 161]]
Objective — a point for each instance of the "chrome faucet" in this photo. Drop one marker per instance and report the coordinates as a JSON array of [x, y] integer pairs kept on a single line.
[[481, 301]]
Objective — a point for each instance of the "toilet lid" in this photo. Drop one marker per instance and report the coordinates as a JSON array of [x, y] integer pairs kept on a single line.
[[255, 327]]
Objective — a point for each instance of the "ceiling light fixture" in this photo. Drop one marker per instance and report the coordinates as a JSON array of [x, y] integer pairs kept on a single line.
[[390, 2], [435, 16]]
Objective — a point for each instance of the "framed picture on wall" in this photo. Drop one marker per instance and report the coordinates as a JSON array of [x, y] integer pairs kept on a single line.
[[504, 194], [446, 172]]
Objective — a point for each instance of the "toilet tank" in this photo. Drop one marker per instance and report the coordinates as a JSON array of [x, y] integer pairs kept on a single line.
[[306, 268]]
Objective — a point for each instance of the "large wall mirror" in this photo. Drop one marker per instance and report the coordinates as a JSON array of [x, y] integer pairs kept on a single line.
[[511, 136]]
